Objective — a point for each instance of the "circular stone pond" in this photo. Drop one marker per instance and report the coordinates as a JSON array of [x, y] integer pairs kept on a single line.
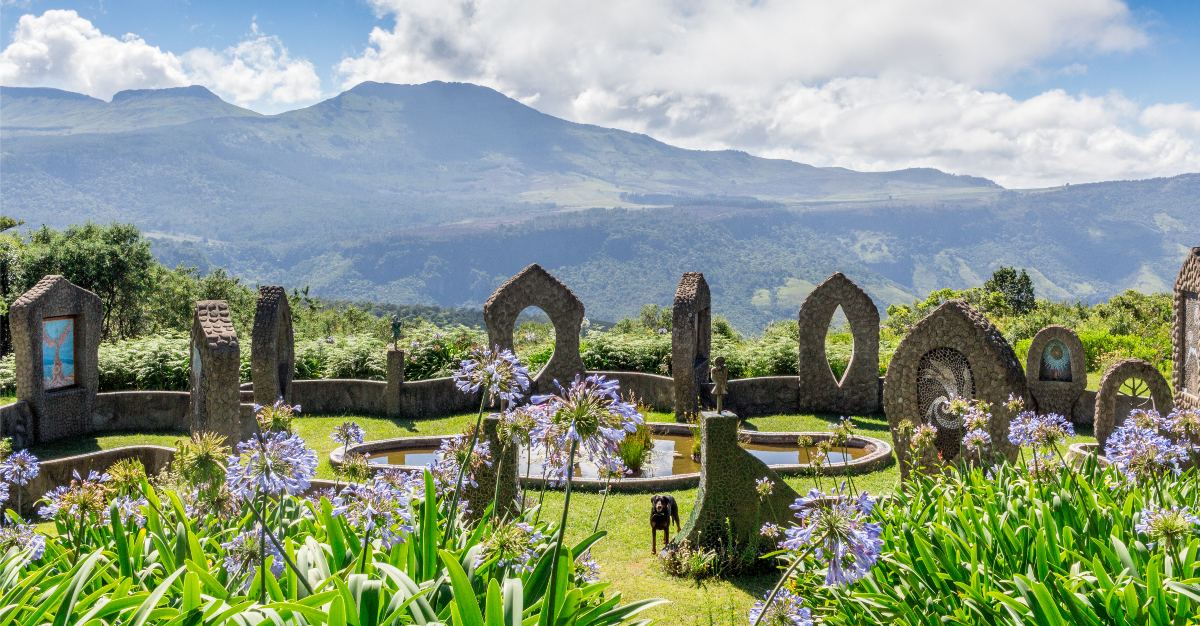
[[670, 464]]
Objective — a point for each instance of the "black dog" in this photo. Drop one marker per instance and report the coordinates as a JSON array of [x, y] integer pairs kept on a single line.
[[663, 511]]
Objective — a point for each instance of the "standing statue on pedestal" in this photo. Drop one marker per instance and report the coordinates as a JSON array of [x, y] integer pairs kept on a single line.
[[396, 332], [720, 377]]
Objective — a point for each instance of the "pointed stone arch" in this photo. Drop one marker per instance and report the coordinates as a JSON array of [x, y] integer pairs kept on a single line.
[[956, 351], [691, 343], [858, 390], [1056, 370], [534, 286], [272, 346], [1186, 353], [1110, 388]]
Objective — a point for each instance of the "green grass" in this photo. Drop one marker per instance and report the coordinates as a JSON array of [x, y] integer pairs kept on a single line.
[[7, 400], [625, 554]]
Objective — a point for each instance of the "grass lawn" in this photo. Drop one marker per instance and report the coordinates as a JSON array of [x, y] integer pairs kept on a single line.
[[625, 554]]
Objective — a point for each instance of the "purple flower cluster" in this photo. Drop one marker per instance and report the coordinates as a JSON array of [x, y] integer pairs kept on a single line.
[[836, 529], [1029, 429], [81, 497], [493, 370], [242, 554], [377, 508], [450, 457], [20, 468], [348, 434], [22, 537], [272, 463], [1169, 524], [587, 569], [1140, 451], [515, 545], [131, 510], [590, 413], [787, 609]]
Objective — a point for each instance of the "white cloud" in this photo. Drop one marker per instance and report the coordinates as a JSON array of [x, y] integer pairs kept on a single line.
[[62, 49], [868, 84]]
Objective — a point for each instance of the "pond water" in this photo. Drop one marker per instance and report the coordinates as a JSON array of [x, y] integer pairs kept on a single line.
[[671, 455]]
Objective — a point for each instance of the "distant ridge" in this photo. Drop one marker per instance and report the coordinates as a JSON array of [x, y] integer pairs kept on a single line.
[[435, 193]]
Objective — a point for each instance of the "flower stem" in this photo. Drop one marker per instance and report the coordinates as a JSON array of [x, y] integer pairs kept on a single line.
[[779, 585], [603, 501], [562, 531], [496, 511], [452, 514]]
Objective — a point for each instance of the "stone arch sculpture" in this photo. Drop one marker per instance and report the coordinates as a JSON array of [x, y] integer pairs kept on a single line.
[[1186, 336], [953, 352], [858, 390], [272, 346], [691, 344], [1109, 392], [534, 286], [215, 403], [1056, 370], [56, 343]]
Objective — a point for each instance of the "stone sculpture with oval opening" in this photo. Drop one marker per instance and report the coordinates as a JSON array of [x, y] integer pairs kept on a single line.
[[535, 287], [857, 392], [1186, 333]]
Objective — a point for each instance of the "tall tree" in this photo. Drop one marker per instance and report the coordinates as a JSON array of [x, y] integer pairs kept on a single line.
[[1017, 289]]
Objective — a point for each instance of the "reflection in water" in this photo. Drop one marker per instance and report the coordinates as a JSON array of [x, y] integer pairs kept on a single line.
[[671, 455]]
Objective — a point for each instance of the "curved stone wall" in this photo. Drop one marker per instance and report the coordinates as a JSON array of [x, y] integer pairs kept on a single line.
[[763, 395], [340, 396], [651, 390], [858, 390], [1110, 385], [1056, 371], [141, 411], [953, 352], [56, 472]]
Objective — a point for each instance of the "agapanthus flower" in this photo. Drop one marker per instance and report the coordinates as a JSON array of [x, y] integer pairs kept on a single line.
[[1147, 418], [493, 370], [450, 457], [1140, 452], [787, 609], [1184, 426], [20, 468], [771, 530], [924, 436], [590, 413], [348, 434], [242, 555], [764, 488], [1166, 524], [1030, 429], [84, 496], [3, 493], [22, 537], [377, 509], [132, 510], [273, 463], [976, 440], [277, 417], [587, 568], [515, 545], [836, 530]]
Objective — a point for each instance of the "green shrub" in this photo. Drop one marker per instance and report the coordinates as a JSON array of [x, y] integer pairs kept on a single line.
[[635, 448]]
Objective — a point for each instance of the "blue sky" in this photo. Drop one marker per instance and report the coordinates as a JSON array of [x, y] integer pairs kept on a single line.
[[1028, 92]]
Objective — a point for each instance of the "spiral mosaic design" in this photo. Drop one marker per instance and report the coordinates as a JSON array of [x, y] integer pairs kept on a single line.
[[944, 374], [1056, 362]]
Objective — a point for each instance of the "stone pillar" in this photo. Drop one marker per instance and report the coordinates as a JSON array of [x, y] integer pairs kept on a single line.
[[1186, 333], [56, 342], [504, 469], [272, 346], [395, 380], [691, 345], [727, 501], [215, 400]]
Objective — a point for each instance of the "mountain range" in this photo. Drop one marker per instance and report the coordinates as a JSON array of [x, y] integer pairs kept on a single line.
[[435, 193]]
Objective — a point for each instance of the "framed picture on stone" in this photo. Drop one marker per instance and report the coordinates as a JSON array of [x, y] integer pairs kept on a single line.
[[58, 353]]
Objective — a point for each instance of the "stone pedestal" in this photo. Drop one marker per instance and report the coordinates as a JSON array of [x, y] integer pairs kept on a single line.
[[504, 469], [395, 380], [727, 502]]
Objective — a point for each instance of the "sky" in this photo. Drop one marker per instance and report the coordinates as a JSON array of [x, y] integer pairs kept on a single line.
[[1029, 93]]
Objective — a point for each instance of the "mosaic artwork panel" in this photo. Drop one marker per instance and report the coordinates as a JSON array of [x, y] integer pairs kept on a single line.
[[58, 353], [944, 374], [1056, 362]]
